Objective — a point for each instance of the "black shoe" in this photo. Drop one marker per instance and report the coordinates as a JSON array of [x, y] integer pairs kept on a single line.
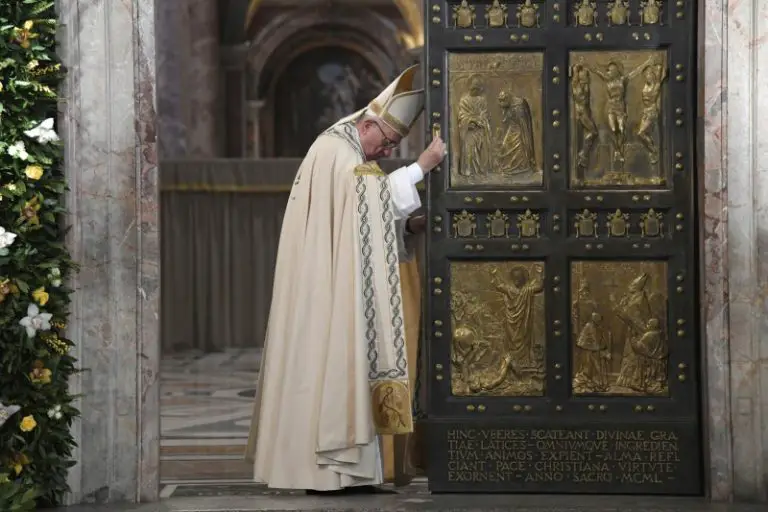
[[313, 492]]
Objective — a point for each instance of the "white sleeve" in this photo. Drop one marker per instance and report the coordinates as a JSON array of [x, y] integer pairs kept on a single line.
[[405, 197]]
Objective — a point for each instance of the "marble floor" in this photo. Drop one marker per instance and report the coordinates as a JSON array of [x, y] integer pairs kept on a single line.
[[415, 498], [206, 405]]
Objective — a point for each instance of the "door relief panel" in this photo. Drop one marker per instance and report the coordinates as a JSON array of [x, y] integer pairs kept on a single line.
[[616, 118], [619, 330], [496, 127], [498, 326]]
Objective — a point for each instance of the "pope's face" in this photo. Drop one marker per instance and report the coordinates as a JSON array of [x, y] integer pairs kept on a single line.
[[378, 140]]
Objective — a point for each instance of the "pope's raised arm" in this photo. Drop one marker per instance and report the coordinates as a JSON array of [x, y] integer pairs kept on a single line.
[[403, 181], [405, 196]]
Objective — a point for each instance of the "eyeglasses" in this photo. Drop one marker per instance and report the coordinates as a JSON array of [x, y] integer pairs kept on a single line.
[[388, 143]]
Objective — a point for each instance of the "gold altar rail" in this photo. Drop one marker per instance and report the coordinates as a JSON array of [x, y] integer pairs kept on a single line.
[[262, 176]]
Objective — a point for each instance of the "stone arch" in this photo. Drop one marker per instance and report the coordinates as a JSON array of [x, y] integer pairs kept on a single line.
[[411, 11], [286, 36], [281, 82], [283, 28]]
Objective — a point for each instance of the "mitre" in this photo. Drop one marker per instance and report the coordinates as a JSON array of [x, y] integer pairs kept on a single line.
[[398, 106]]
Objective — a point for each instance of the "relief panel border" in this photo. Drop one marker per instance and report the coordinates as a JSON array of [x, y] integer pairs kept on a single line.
[[682, 399], [439, 330]]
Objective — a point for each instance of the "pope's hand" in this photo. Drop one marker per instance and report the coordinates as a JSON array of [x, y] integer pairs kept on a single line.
[[417, 224], [432, 156]]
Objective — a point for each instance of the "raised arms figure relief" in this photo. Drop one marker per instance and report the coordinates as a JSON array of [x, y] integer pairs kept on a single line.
[[582, 111], [616, 106], [654, 73], [498, 329]]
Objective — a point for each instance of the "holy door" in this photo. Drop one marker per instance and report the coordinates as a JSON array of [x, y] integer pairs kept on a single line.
[[561, 314]]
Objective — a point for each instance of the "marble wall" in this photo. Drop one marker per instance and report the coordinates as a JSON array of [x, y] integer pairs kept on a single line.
[[108, 127], [108, 123], [734, 166]]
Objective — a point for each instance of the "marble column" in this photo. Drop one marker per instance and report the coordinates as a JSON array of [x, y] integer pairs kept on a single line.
[[107, 124], [734, 168], [172, 37], [188, 79], [202, 78], [254, 128], [234, 81]]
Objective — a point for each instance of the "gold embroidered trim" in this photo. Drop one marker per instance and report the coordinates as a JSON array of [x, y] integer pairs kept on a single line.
[[391, 404], [401, 129], [369, 169]]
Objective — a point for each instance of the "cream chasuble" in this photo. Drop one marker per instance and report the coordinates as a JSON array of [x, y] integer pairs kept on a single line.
[[334, 370], [402, 454]]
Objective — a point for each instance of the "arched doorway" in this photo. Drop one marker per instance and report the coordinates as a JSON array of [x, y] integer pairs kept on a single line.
[[319, 86]]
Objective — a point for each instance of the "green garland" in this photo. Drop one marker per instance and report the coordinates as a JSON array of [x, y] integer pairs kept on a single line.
[[36, 409]]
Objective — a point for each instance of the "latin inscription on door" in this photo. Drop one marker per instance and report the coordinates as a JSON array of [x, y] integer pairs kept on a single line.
[[655, 459]]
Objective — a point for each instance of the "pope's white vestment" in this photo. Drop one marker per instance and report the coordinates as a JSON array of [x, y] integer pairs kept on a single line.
[[334, 367]]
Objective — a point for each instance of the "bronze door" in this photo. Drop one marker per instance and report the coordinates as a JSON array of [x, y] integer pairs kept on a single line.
[[561, 318]]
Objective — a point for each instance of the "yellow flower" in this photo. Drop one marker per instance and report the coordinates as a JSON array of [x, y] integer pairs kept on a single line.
[[40, 374], [29, 212], [18, 463], [5, 289], [33, 172], [32, 64], [23, 35], [41, 296], [28, 424], [1, 86]]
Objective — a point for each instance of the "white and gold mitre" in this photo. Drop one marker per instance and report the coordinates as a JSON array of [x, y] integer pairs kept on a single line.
[[399, 105]]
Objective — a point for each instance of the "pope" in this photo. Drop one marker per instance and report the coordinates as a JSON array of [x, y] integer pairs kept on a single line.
[[334, 373]]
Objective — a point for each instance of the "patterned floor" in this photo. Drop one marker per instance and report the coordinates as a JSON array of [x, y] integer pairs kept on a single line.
[[206, 405], [414, 499]]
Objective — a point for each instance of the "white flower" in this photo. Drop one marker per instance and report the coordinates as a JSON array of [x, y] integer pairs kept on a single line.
[[43, 132], [35, 321], [6, 411], [55, 412], [17, 150], [54, 276], [6, 239]]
